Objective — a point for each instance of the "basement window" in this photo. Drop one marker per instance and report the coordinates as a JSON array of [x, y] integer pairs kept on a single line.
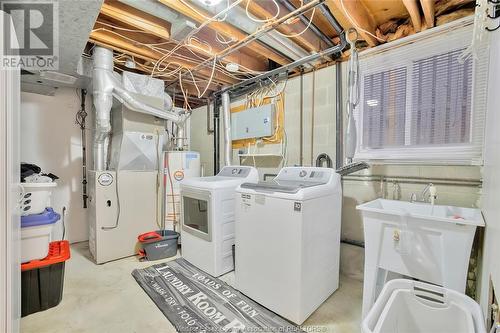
[[419, 103]]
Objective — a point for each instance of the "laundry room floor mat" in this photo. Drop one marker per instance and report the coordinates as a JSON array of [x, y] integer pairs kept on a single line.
[[196, 302]]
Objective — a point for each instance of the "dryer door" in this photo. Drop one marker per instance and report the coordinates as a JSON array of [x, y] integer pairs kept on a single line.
[[196, 217]]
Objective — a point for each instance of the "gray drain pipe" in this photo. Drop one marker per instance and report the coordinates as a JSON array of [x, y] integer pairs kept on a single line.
[[339, 120], [216, 124], [305, 21]]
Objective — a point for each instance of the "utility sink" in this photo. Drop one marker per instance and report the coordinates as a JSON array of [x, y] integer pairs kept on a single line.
[[416, 240], [425, 211]]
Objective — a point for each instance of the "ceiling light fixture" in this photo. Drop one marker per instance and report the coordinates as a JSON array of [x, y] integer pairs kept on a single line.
[[232, 67], [210, 3]]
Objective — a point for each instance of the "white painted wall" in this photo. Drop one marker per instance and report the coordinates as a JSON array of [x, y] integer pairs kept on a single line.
[[51, 139], [491, 178]]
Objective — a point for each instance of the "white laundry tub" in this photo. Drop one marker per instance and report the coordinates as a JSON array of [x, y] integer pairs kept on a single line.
[[431, 243], [406, 306], [35, 197]]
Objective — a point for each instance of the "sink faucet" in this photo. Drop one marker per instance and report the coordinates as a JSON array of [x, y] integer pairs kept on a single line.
[[396, 191], [431, 189], [425, 190]]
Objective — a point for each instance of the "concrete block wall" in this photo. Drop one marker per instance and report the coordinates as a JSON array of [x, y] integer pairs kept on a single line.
[[355, 191]]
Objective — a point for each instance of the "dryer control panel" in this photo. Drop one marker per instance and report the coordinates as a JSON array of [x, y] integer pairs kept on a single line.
[[234, 171]]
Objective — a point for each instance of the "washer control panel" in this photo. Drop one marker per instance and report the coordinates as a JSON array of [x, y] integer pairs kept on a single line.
[[305, 174], [234, 171]]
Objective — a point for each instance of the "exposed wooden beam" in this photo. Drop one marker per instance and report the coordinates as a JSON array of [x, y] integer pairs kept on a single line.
[[136, 18], [225, 29], [135, 37], [413, 9], [428, 8], [202, 49], [240, 57], [357, 12], [107, 39], [386, 10], [262, 10]]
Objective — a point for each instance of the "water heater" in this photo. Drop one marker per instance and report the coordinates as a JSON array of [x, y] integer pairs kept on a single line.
[[177, 165]]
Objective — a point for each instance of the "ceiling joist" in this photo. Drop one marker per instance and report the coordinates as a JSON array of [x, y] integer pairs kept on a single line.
[[354, 12], [225, 29], [136, 18], [414, 10], [261, 11], [428, 9]]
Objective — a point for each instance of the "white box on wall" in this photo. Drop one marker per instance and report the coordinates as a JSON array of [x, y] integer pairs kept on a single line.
[[252, 123]]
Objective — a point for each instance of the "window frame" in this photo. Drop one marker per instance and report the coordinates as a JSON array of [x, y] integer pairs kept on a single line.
[[403, 53]]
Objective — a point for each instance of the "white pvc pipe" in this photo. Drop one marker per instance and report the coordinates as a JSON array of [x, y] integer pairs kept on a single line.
[[226, 114]]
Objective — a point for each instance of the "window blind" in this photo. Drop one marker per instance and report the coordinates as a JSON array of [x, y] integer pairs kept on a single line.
[[385, 108], [442, 100], [419, 103]]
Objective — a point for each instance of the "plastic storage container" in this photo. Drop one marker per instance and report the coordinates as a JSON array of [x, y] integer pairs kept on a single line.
[[36, 234], [36, 197], [410, 306], [158, 244], [42, 281]]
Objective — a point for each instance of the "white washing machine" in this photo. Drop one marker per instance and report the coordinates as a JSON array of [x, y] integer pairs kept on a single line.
[[208, 205], [288, 240]]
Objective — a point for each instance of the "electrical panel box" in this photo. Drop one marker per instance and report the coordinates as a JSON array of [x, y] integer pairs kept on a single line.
[[253, 123]]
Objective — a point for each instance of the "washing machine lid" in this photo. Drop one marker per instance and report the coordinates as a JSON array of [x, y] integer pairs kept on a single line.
[[297, 183], [284, 186]]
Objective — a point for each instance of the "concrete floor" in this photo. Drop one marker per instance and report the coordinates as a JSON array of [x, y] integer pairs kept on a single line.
[[106, 299]]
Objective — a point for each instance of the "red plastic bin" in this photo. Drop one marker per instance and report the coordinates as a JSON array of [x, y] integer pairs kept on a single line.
[[42, 281]]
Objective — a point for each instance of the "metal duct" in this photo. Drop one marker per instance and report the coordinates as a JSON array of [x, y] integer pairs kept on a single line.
[[179, 137], [102, 95], [105, 87], [226, 113]]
